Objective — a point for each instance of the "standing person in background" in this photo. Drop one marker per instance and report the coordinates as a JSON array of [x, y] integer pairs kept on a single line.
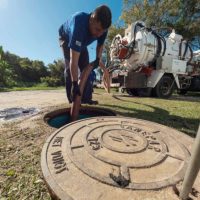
[[79, 31]]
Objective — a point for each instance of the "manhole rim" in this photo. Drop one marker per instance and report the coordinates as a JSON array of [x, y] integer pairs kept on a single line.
[[61, 111]]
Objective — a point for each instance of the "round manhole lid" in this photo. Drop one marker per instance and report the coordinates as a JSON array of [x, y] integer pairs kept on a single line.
[[90, 156]]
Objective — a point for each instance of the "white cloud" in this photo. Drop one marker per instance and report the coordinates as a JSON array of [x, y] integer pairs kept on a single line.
[[3, 3]]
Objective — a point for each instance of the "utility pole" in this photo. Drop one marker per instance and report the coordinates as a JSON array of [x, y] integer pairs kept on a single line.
[[192, 170]]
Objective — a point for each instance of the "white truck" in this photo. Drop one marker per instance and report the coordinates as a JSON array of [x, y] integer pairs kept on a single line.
[[154, 65]]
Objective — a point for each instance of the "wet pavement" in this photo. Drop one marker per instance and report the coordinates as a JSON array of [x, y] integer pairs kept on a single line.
[[14, 113]]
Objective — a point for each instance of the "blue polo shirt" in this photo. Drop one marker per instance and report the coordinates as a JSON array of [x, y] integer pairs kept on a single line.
[[76, 32]]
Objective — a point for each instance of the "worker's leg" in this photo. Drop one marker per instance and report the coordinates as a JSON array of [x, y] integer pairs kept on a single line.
[[88, 91], [83, 62], [68, 82]]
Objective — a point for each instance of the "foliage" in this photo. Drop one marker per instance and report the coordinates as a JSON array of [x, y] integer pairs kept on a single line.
[[6, 78], [56, 70], [23, 72], [51, 81], [39, 86], [113, 31], [183, 15]]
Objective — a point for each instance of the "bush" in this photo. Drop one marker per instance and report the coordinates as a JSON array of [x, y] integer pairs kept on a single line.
[[50, 81]]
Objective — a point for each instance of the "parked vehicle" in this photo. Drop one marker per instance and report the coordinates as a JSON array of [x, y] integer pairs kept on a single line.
[[154, 65]]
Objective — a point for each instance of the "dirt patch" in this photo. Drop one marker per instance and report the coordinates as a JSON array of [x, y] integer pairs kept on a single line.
[[37, 99], [21, 143]]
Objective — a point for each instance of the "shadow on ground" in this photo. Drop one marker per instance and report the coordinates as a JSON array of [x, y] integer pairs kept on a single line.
[[159, 115], [189, 98]]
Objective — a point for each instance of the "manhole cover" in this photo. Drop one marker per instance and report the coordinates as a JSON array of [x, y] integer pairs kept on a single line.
[[13, 113], [112, 151]]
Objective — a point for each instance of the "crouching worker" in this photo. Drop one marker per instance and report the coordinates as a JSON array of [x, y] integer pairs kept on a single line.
[[79, 31]]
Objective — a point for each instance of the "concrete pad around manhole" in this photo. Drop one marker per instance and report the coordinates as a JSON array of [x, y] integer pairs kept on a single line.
[[114, 158]]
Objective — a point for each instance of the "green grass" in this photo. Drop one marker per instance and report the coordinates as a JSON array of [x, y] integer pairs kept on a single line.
[[20, 171], [44, 87], [101, 90], [36, 87], [179, 112]]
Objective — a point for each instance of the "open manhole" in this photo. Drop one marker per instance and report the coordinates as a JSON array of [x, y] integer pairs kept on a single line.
[[61, 117], [113, 158], [14, 113]]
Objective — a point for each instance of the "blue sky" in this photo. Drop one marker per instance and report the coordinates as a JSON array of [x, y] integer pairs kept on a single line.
[[29, 28]]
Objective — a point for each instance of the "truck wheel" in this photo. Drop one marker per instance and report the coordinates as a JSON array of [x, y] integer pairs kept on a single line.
[[164, 87], [144, 92], [121, 90]]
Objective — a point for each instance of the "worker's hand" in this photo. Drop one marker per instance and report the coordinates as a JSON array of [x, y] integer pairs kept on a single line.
[[75, 90], [95, 63]]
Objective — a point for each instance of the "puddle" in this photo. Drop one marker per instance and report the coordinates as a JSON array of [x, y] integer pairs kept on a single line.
[[14, 113]]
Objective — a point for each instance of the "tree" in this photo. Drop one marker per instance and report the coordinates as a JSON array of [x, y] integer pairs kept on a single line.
[[39, 70], [27, 71], [113, 31], [183, 15], [6, 78], [56, 71], [13, 61]]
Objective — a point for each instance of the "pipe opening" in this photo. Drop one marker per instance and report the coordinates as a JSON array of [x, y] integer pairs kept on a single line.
[[61, 117]]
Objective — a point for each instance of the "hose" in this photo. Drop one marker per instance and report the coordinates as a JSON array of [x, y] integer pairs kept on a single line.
[[132, 44], [74, 112], [180, 49], [186, 48], [77, 102], [159, 48], [191, 52], [164, 42]]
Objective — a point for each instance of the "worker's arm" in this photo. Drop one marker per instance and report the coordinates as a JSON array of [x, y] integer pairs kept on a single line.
[[106, 76], [100, 44], [74, 57], [99, 51]]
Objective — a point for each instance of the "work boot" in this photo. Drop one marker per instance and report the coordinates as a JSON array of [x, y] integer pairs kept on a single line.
[[91, 102]]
